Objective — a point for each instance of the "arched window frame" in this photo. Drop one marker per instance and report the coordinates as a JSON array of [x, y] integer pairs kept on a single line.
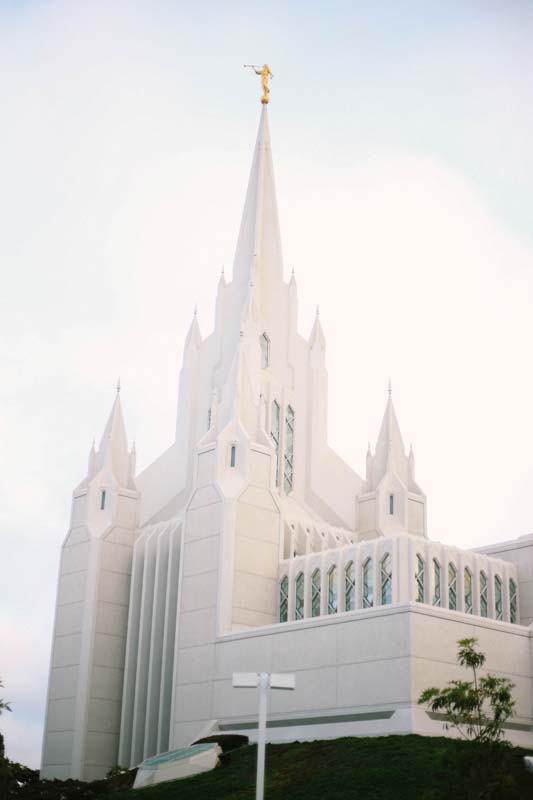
[[498, 597], [483, 595], [385, 571], [299, 586], [437, 583], [452, 586], [275, 431], [288, 471], [368, 584], [468, 591], [513, 601], [333, 606], [420, 579], [284, 599], [315, 593], [349, 586], [264, 343]]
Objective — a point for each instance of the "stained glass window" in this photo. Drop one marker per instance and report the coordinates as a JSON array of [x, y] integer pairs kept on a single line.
[[368, 584], [452, 587], [283, 599], [315, 593], [332, 591], [289, 450], [299, 605], [483, 595], [386, 580], [349, 587]]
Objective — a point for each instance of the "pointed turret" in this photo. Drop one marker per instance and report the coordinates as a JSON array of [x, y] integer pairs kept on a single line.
[[391, 501], [113, 450], [193, 340], [390, 451], [258, 255], [316, 337]]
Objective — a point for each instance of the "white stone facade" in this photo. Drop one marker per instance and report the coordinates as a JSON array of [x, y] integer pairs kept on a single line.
[[249, 544]]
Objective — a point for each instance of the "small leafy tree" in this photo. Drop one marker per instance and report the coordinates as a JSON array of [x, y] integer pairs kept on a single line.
[[477, 709], [3, 705]]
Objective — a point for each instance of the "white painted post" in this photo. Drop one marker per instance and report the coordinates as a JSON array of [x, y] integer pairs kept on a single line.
[[263, 681], [261, 735]]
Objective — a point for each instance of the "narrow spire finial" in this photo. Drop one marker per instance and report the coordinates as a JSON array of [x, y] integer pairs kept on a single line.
[[390, 388], [118, 385], [292, 272], [196, 309], [318, 311]]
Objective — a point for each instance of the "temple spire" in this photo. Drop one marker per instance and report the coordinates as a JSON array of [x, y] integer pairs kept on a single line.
[[390, 454], [258, 257]]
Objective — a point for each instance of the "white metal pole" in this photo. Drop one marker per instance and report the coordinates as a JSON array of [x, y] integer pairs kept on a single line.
[[261, 735]]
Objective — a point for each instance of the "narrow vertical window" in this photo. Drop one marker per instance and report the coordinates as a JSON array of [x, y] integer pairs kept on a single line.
[[468, 591], [498, 597], [420, 579], [452, 587], [483, 595], [233, 455], [391, 504], [283, 599], [274, 433], [513, 602], [209, 419], [349, 587], [386, 579], [264, 341], [289, 450], [299, 604], [102, 500], [332, 591], [436, 583], [315, 593], [368, 584]]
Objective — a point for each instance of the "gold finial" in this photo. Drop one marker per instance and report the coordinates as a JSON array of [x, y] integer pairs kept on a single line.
[[265, 73]]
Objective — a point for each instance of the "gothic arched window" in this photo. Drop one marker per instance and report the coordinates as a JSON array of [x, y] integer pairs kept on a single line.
[[368, 584], [284, 599], [275, 427], [513, 601], [498, 597], [332, 591], [349, 587], [264, 342], [468, 591], [437, 601], [483, 595], [452, 586], [420, 579], [315, 593], [299, 604], [289, 450], [386, 579]]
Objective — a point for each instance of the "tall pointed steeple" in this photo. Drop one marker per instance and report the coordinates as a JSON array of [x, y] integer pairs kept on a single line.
[[113, 449], [258, 254], [390, 451]]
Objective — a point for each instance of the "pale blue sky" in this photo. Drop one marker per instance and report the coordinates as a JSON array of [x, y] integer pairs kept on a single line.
[[402, 145]]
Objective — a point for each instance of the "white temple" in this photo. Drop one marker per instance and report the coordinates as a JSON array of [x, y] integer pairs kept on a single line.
[[249, 544]]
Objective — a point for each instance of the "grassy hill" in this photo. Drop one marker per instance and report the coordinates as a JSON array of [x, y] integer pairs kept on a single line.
[[381, 768]]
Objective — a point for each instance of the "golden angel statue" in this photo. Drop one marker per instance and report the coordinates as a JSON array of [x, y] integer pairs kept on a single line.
[[265, 73]]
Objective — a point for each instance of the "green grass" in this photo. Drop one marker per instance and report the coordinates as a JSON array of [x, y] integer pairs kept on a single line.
[[380, 768]]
